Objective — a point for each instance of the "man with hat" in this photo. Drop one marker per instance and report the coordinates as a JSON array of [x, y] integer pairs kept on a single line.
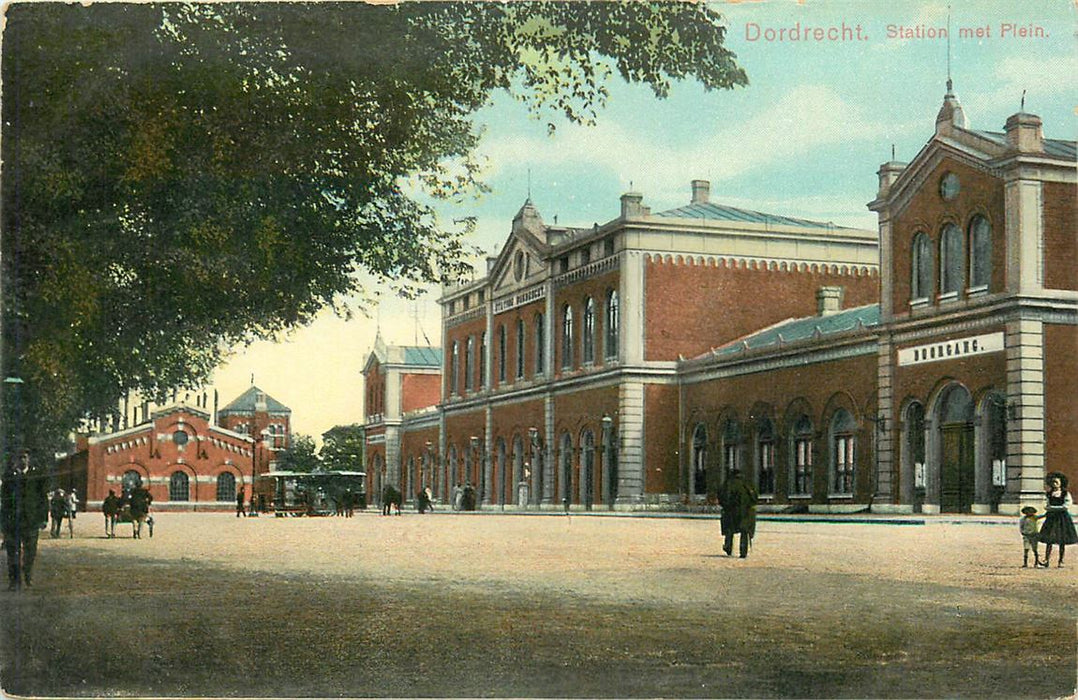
[[738, 500], [24, 508]]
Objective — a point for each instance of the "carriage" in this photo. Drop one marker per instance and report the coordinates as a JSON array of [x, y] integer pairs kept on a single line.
[[311, 494]]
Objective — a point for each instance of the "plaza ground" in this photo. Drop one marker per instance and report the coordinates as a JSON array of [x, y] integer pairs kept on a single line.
[[491, 605]]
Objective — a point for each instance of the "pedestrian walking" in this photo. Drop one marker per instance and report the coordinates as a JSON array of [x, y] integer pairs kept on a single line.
[[1058, 527], [239, 503], [1029, 527], [57, 510], [72, 503], [738, 500], [111, 508], [24, 507]]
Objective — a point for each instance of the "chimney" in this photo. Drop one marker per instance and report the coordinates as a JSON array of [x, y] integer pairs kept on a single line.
[[829, 300], [701, 191], [632, 205], [1024, 133]]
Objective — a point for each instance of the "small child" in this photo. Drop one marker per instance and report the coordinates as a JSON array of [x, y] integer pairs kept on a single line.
[[1029, 527]]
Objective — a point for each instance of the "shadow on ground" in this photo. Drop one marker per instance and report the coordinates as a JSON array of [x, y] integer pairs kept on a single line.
[[100, 624]]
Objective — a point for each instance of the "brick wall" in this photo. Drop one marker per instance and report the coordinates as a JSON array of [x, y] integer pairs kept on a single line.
[[693, 307], [1060, 236]]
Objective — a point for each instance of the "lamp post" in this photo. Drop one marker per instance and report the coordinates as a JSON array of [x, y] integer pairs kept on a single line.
[[610, 459], [428, 465], [537, 464], [12, 419]]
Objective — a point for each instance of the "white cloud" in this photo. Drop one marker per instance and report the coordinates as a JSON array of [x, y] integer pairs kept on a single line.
[[805, 118]]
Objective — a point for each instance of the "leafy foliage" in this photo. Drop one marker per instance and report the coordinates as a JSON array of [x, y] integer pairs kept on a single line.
[[342, 448], [300, 455], [184, 178]]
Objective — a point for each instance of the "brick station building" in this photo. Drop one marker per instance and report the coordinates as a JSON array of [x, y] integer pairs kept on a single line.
[[929, 365], [186, 459]]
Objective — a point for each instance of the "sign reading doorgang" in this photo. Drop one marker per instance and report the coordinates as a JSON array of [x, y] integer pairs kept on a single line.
[[951, 349]]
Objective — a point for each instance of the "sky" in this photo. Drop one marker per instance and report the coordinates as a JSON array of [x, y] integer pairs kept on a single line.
[[804, 138]]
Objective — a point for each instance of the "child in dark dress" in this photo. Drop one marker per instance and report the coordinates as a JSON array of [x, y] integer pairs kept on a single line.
[[1058, 527]]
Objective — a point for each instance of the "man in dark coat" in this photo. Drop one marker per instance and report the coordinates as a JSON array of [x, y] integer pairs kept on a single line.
[[24, 511], [738, 500], [111, 508], [140, 508]]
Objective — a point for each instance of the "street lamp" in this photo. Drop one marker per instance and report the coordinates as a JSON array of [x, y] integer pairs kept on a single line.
[[611, 459], [428, 468], [537, 463]]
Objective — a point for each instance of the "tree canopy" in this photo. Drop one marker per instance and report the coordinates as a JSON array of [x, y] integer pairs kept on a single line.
[[300, 455], [183, 178], [343, 448]]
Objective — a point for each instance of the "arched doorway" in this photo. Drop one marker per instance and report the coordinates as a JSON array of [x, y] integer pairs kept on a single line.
[[956, 450]]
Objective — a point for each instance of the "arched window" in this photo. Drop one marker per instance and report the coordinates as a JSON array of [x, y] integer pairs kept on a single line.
[[765, 456], [520, 348], [454, 359], [226, 486], [483, 360], [952, 260], [567, 337], [843, 457], [469, 362], [587, 468], [502, 349], [179, 488], [131, 480], [588, 337], [699, 460], [540, 346], [802, 457], [921, 268], [613, 322], [980, 253], [731, 445], [566, 476]]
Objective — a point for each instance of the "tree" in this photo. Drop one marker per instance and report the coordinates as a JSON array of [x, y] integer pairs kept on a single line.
[[342, 448], [181, 178], [300, 455]]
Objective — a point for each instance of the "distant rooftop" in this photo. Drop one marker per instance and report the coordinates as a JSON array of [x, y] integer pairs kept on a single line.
[[720, 212], [1057, 148], [798, 329], [420, 356], [245, 403]]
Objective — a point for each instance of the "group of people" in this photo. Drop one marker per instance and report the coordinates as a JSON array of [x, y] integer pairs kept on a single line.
[[63, 504], [1057, 528], [133, 506]]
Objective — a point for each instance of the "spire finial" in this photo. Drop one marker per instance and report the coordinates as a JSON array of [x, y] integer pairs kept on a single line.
[[949, 84], [892, 151], [1022, 108], [529, 184]]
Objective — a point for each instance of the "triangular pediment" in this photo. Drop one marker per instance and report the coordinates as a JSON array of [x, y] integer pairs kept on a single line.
[[959, 146], [523, 258]]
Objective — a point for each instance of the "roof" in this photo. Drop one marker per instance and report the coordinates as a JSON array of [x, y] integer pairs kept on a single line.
[[1056, 148], [719, 212], [245, 403], [422, 356], [798, 329]]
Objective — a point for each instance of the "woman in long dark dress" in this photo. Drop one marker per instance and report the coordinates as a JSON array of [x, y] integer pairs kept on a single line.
[[1058, 528]]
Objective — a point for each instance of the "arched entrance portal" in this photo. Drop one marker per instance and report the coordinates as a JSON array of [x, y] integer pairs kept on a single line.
[[957, 451]]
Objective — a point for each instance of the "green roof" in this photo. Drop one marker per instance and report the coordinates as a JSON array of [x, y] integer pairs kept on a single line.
[[798, 329], [719, 212], [422, 356]]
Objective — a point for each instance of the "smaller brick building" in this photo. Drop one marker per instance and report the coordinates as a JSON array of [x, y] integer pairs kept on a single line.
[[184, 459]]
